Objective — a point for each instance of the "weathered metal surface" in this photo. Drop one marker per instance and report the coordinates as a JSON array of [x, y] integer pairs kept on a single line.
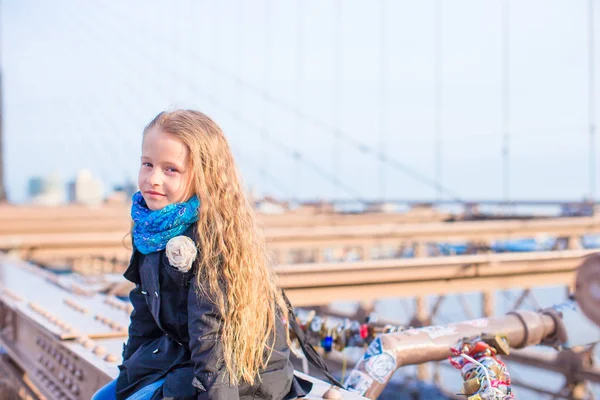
[[64, 363], [76, 218], [63, 314], [322, 283], [310, 243], [388, 352], [315, 284]]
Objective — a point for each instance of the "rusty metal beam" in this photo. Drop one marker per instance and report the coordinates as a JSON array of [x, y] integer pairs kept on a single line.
[[360, 235], [438, 232], [316, 295], [417, 346], [78, 218], [302, 244], [318, 284], [310, 284]]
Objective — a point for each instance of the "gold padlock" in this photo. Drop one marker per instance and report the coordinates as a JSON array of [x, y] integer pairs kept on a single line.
[[497, 371], [471, 386], [498, 342]]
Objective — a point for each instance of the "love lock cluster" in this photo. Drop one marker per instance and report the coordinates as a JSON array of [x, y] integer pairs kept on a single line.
[[485, 375], [337, 334]]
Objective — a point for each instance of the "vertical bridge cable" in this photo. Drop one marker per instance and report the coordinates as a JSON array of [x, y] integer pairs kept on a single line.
[[266, 84], [239, 67], [506, 102], [216, 34], [382, 98], [337, 36], [333, 177], [239, 53], [328, 128], [190, 24], [3, 196], [438, 98], [591, 104], [164, 66], [299, 99]]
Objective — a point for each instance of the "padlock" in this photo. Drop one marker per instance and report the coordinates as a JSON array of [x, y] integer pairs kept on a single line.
[[471, 386], [499, 343], [309, 318], [325, 331], [327, 343], [364, 331], [339, 339]]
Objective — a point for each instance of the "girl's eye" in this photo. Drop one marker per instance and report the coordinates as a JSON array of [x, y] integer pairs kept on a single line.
[[170, 169], [147, 164]]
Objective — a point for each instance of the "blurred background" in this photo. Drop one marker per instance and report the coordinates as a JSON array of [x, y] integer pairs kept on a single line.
[[419, 100], [386, 132]]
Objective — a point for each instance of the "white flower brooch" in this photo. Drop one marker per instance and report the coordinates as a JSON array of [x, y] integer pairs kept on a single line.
[[181, 252]]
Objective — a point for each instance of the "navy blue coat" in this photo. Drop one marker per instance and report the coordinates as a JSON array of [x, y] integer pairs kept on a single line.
[[175, 335]]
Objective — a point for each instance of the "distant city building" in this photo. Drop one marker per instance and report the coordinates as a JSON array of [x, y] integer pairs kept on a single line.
[[36, 186], [48, 190], [128, 189], [269, 205], [315, 207], [382, 207], [86, 189]]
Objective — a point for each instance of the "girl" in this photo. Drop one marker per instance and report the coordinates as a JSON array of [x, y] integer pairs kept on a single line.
[[208, 319]]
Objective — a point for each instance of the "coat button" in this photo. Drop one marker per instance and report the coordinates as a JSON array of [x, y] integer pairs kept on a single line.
[[156, 293], [144, 292], [155, 351]]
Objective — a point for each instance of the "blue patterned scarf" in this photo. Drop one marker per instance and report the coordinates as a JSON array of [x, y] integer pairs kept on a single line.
[[153, 229]]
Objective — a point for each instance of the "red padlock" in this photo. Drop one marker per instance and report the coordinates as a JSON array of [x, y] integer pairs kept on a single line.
[[364, 331]]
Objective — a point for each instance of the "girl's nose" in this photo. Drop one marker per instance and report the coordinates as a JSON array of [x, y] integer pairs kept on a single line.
[[154, 177]]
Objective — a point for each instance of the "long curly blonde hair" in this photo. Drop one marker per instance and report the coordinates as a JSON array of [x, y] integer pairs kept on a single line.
[[234, 269]]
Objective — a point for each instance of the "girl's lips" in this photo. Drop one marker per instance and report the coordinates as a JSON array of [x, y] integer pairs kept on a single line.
[[154, 194]]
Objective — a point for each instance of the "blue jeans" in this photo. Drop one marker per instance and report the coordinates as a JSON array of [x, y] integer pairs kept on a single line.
[[108, 392]]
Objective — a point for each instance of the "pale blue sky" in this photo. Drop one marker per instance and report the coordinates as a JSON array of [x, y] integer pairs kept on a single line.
[[82, 79]]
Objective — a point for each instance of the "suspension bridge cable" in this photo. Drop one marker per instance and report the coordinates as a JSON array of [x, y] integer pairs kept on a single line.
[[322, 172], [325, 127], [506, 100], [101, 119], [328, 128], [438, 97], [266, 82], [591, 102], [162, 64], [216, 45], [332, 130], [299, 82], [239, 51], [382, 97], [274, 182], [337, 47]]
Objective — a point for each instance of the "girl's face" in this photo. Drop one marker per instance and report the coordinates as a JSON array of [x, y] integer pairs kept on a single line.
[[165, 174]]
